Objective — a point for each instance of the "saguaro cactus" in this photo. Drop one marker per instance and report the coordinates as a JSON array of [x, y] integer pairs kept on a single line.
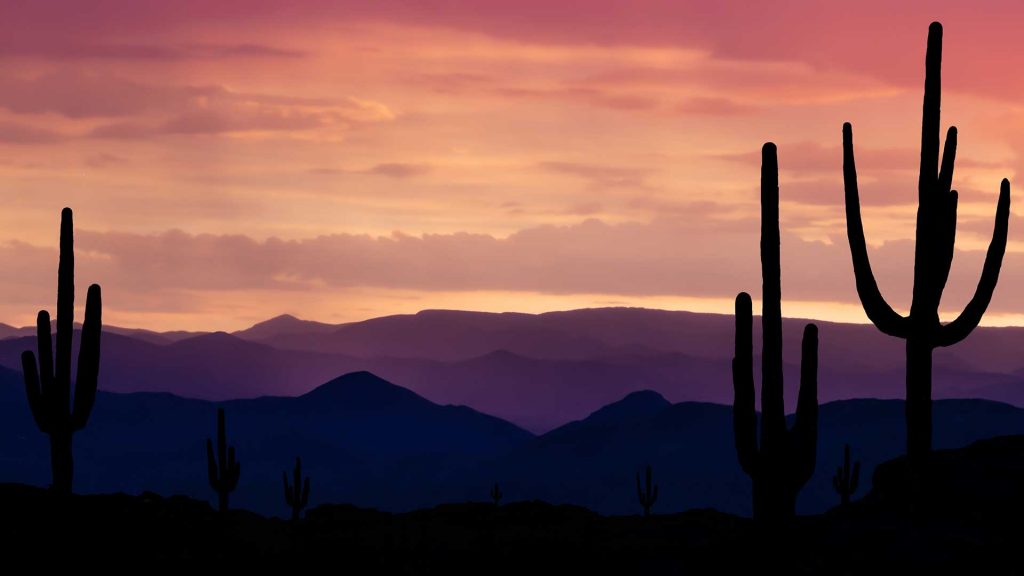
[[784, 461], [222, 468], [936, 236], [646, 494], [48, 389], [496, 494], [845, 480], [297, 495]]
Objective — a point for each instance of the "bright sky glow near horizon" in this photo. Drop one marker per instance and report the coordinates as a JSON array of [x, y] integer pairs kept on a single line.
[[229, 161]]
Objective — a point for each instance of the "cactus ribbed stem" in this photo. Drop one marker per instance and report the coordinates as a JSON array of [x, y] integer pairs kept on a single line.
[[784, 460], [48, 387], [296, 495], [222, 468], [933, 256]]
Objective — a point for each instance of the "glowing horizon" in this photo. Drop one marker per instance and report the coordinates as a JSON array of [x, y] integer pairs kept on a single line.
[[340, 161]]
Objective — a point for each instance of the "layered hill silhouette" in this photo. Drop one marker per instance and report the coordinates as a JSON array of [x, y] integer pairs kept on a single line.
[[366, 441], [538, 371], [970, 526]]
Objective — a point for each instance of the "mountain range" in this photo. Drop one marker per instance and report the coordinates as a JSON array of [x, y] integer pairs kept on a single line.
[[368, 442], [538, 371]]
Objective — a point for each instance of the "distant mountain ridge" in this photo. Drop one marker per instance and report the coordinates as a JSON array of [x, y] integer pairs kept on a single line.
[[366, 441], [537, 370]]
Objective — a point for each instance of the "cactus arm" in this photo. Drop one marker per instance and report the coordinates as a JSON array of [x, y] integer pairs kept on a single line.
[[32, 392], [44, 341], [88, 360], [878, 310], [648, 483], [744, 415], [805, 430], [948, 158], [960, 328], [947, 239], [947, 205]]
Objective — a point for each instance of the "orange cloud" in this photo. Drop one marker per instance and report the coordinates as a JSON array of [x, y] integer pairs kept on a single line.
[[532, 151]]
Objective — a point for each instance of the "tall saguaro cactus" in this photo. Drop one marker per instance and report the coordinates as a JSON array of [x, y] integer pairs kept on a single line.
[[49, 389], [296, 495], [784, 460], [222, 468], [933, 256], [845, 480], [645, 494]]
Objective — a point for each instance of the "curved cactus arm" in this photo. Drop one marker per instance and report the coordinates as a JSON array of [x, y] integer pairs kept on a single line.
[[878, 310], [948, 159], [958, 329], [744, 415], [947, 239], [44, 341], [33, 392], [804, 435], [88, 360], [946, 205]]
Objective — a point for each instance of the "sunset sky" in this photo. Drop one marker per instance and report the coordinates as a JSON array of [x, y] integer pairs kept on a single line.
[[228, 161]]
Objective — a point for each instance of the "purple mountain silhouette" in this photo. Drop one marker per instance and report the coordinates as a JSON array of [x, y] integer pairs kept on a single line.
[[538, 371]]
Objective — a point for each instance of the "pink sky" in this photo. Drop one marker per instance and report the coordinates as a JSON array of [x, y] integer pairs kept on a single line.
[[228, 161]]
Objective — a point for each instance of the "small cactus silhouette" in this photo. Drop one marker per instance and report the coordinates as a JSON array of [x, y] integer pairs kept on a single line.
[[222, 468], [496, 494], [49, 390], [845, 480], [297, 495], [645, 493]]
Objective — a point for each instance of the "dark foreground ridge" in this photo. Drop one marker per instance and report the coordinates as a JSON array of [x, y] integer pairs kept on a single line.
[[975, 497]]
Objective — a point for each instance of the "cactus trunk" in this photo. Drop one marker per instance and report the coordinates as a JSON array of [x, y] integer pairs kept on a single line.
[[918, 406], [61, 461], [296, 495]]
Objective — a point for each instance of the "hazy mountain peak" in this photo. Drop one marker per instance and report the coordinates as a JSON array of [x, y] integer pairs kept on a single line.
[[363, 390], [640, 404], [283, 325]]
